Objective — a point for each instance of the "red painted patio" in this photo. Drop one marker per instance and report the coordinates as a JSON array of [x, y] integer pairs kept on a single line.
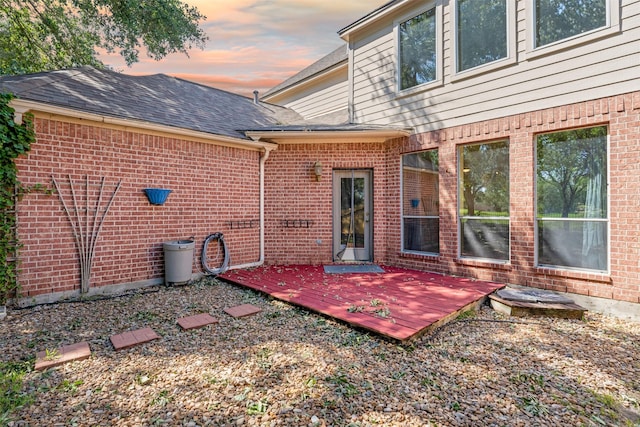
[[398, 303]]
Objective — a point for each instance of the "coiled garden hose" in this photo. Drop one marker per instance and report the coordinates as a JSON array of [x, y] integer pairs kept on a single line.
[[203, 256]]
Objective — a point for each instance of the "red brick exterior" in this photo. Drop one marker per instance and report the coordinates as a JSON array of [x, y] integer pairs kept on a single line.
[[213, 185], [622, 115], [292, 193]]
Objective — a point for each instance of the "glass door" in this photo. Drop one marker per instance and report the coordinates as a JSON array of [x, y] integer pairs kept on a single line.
[[352, 228]]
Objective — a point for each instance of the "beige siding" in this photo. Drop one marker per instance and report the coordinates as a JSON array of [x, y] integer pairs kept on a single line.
[[602, 67], [320, 97]]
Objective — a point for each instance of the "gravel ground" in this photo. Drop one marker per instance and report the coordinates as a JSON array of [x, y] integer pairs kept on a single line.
[[287, 366]]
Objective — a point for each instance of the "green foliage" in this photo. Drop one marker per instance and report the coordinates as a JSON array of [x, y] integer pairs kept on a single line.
[[418, 50], [566, 163], [53, 34], [482, 32], [485, 178], [561, 19], [12, 396], [15, 140]]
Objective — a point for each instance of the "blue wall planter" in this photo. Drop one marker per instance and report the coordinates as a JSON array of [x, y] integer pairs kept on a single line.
[[157, 196]]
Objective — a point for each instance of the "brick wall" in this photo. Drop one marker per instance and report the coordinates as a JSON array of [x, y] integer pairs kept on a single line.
[[292, 193], [622, 115], [212, 185]]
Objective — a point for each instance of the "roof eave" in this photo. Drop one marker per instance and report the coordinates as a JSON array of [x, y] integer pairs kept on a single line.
[[23, 106], [372, 17], [327, 136]]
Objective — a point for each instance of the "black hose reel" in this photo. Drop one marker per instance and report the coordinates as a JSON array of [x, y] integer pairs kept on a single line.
[[203, 255]]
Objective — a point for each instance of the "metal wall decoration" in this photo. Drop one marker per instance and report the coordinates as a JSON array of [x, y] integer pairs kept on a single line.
[[86, 213]]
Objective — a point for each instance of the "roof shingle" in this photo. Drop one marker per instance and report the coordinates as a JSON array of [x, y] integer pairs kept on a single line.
[[158, 99]]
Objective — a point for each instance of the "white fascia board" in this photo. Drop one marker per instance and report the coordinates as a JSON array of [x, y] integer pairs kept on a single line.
[[22, 106], [328, 136], [347, 32]]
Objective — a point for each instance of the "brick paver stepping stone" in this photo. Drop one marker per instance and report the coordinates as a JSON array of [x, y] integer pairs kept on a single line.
[[64, 354], [197, 321], [132, 338], [242, 310]]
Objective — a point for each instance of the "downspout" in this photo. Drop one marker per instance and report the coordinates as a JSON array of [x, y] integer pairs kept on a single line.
[[263, 160]]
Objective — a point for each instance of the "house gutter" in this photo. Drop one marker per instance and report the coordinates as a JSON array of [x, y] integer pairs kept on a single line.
[[337, 136], [23, 106], [263, 160]]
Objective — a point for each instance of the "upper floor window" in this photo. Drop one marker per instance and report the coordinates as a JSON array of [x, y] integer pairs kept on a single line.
[[481, 32], [420, 202], [561, 19], [417, 50], [572, 207]]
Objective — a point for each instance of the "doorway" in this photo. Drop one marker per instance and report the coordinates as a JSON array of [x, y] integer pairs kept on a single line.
[[352, 216]]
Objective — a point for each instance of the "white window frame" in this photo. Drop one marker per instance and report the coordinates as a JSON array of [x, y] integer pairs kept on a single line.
[[402, 212], [509, 60], [537, 220], [438, 81], [612, 26], [460, 218]]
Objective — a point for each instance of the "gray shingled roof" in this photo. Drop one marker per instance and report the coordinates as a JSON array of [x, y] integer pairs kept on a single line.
[[158, 99], [334, 58]]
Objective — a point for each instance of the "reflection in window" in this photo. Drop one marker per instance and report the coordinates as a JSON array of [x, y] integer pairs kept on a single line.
[[482, 32], [417, 50], [420, 205], [484, 200], [560, 19], [572, 216]]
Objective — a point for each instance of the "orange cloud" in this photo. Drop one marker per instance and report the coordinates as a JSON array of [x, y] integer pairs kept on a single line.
[[256, 44]]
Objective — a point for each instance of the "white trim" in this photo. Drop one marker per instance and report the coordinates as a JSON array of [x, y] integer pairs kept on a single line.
[[536, 221], [512, 43], [327, 136], [439, 51], [460, 194], [347, 32], [403, 216], [22, 107], [611, 27]]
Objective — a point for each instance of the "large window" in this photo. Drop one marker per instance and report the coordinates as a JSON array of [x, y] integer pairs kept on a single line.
[[572, 214], [420, 206], [481, 32], [417, 50], [561, 19], [484, 200]]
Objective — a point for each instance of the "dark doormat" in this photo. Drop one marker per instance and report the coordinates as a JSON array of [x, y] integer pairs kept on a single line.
[[356, 268]]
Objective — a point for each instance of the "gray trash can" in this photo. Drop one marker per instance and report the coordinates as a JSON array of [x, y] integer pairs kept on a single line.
[[178, 261]]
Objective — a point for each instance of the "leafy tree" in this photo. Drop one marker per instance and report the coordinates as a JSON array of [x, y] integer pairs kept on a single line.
[[418, 50], [485, 178], [567, 162], [482, 32], [560, 19], [39, 35]]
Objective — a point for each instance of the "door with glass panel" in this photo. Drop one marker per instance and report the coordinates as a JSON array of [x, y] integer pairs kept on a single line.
[[352, 216]]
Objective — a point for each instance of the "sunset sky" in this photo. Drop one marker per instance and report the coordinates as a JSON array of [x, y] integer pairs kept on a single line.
[[256, 44]]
